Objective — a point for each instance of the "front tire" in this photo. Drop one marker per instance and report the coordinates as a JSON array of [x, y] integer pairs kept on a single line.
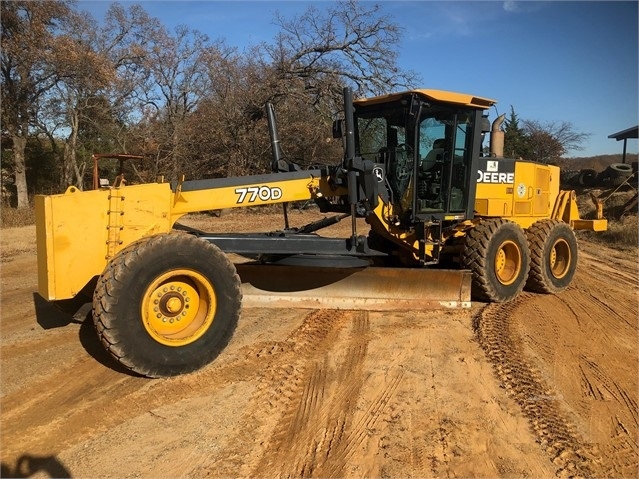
[[167, 305], [553, 256], [496, 251]]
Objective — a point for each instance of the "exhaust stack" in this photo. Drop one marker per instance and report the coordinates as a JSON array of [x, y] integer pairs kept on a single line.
[[497, 138]]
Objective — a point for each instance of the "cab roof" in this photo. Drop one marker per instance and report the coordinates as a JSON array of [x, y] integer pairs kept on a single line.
[[433, 95]]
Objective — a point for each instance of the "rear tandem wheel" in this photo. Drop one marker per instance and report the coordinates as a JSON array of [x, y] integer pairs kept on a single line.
[[553, 256], [167, 305], [497, 253]]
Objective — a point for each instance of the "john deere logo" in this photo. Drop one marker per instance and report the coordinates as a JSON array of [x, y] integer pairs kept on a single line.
[[492, 166], [496, 171]]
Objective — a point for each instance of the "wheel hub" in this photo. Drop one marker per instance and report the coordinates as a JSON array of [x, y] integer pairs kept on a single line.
[[174, 305], [172, 302], [178, 307], [508, 262], [560, 259]]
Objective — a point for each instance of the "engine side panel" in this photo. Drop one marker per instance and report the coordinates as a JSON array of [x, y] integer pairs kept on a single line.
[[520, 191]]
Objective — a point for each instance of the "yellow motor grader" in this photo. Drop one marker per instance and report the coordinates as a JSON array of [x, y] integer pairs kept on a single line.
[[447, 221]]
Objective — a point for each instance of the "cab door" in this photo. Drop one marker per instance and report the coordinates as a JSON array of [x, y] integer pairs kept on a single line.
[[444, 160]]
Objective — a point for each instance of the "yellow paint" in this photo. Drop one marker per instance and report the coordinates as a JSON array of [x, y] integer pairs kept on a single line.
[[78, 232], [530, 198], [178, 307], [429, 94]]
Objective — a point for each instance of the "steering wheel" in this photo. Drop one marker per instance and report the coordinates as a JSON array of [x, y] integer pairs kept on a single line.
[[405, 147], [403, 162]]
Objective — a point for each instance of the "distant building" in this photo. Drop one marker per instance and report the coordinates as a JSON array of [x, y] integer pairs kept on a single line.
[[624, 135]]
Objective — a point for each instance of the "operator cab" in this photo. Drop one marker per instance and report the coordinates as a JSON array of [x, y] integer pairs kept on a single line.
[[426, 143]]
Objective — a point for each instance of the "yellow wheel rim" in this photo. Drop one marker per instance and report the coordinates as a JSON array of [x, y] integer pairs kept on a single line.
[[178, 307], [508, 262], [560, 258]]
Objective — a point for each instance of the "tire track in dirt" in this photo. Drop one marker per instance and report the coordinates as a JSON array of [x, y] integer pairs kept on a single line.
[[58, 410], [619, 271], [288, 371], [439, 457], [324, 426], [604, 303], [341, 451], [606, 287], [538, 402], [585, 343], [622, 450], [597, 384], [590, 302], [316, 417], [64, 415]]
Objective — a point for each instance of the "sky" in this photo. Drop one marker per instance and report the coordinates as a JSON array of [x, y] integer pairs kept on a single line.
[[567, 61]]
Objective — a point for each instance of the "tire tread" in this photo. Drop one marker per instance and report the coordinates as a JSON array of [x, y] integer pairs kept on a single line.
[[538, 234], [475, 257], [113, 282]]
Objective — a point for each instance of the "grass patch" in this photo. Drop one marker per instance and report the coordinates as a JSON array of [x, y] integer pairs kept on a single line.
[[623, 232], [15, 218]]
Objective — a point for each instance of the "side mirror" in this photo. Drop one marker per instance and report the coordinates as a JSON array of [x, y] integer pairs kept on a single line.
[[485, 124], [338, 130]]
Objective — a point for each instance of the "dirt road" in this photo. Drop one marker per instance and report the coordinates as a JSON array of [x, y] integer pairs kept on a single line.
[[545, 386]]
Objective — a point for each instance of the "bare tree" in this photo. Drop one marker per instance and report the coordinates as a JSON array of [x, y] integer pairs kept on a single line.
[[349, 43], [303, 71], [86, 72], [29, 46], [194, 104], [102, 73], [178, 80], [221, 135], [547, 142]]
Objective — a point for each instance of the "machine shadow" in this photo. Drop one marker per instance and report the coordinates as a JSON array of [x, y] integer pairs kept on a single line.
[[28, 465], [58, 314]]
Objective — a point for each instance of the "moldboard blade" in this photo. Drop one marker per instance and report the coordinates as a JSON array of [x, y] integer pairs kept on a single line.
[[372, 288]]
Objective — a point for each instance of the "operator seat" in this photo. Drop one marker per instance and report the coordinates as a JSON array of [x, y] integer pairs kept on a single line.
[[436, 155]]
